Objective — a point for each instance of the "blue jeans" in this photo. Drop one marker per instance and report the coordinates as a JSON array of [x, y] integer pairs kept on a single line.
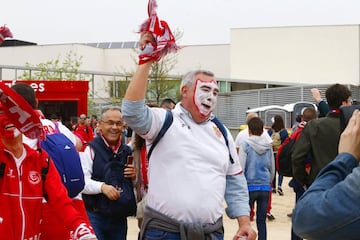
[[299, 191], [280, 178], [261, 198], [108, 228], [155, 234]]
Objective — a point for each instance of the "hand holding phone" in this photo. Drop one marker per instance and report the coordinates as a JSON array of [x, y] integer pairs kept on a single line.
[[130, 160]]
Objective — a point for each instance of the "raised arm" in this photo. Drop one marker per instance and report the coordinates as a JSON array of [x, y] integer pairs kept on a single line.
[[138, 85]]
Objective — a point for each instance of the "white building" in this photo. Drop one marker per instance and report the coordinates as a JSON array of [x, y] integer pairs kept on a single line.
[[255, 58]]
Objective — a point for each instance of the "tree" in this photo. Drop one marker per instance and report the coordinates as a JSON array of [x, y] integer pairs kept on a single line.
[[161, 84], [53, 70]]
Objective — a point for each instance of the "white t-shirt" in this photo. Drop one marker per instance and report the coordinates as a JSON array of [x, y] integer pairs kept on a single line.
[[188, 168]]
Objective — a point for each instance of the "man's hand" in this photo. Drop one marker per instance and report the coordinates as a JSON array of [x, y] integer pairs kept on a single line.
[[84, 231], [146, 38], [130, 171], [350, 138], [110, 191], [163, 40], [245, 229], [316, 94]]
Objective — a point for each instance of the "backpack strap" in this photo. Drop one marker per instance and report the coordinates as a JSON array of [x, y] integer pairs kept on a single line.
[[57, 130], [2, 169], [44, 171], [167, 123], [222, 129]]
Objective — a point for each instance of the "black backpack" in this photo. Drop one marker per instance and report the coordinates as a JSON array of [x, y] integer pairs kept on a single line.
[[283, 155]]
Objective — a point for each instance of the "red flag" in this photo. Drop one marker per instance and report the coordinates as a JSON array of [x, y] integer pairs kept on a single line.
[[165, 41], [20, 112], [5, 33]]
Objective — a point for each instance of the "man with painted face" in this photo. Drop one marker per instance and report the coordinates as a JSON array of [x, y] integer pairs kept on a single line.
[[189, 171], [22, 189]]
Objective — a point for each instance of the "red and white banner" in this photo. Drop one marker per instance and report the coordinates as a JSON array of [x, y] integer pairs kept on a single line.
[[19, 111], [4, 33], [165, 41]]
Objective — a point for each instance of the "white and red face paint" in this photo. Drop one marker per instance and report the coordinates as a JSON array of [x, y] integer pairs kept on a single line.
[[205, 96], [7, 128]]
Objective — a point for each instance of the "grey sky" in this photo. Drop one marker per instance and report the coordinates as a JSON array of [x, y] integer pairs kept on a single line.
[[201, 21]]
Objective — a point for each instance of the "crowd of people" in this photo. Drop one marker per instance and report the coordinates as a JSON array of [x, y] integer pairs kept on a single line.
[[195, 166]]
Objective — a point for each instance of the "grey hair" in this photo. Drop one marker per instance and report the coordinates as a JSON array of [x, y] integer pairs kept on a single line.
[[189, 78], [251, 115], [109, 108]]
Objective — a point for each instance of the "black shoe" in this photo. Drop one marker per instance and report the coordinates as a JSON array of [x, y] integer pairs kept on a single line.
[[280, 191], [270, 217], [274, 190]]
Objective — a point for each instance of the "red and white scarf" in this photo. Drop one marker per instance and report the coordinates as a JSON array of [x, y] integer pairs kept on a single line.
[[19, 111], [165, 41], [5, 33]]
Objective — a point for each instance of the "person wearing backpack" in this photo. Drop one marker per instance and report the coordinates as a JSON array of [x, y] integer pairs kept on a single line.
[[307, 115], [278, 134], [320, 136], [109, 193], [51, 226], [26, 177], [194, 167], [328, 210]]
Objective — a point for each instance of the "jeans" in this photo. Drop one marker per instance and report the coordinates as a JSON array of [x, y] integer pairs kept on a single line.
[[299, 191], [155, 234], [280, 178], [108, 228], [261, 198]]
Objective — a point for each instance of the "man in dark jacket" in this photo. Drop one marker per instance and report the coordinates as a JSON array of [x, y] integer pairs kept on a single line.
[[320, 136], [108, 194]]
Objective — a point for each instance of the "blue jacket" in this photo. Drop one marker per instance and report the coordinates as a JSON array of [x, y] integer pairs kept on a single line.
[[259, 164], [329, 209]]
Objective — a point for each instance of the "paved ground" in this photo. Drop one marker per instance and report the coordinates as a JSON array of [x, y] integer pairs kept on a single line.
[[279, 229]]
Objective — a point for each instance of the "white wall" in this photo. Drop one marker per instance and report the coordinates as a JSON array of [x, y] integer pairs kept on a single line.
[[215, 58], [314, 54]]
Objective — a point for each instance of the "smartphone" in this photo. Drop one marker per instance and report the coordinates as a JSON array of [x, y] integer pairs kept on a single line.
[[345, 115], [130, 159]]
